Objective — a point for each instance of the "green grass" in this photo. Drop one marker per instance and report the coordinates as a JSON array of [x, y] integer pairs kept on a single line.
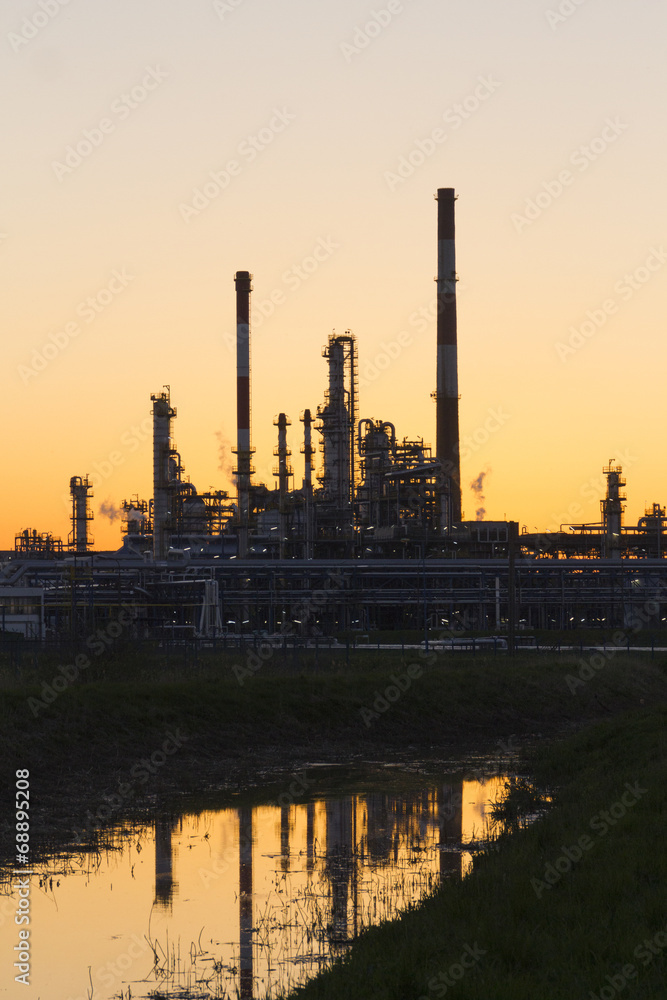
[[541, 941]]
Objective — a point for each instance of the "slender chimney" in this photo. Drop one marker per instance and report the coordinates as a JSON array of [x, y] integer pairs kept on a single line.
[[308, 451], [243, 281], [447, 391], [283, 452]]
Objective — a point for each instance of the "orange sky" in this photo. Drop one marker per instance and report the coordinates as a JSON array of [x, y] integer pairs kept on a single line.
[[153, 150]]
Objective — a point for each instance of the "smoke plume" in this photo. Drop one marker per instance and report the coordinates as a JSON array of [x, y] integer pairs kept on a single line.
[[477, 486], [225, 460], [109, 509]]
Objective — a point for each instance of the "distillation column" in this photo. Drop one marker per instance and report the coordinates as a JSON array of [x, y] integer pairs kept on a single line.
[[308, 452], [447, 390], [80, 490], [284, 472], [163, 413], [338, 421], [283, 453], [612, 511]]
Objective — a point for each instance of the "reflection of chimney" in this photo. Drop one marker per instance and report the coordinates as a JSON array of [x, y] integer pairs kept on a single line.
[[341, 864], [164, 878], [243, 280], [310, 837], [447, 389], [284, 838], [245, 903], [450, 823]]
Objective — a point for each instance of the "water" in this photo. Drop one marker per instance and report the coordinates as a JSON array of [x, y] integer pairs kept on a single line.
[[248, 901]]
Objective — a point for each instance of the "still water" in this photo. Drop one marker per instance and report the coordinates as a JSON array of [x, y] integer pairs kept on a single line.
[[248, 901]]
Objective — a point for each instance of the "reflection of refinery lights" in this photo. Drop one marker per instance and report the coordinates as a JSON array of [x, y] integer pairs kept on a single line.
[[478, 800]]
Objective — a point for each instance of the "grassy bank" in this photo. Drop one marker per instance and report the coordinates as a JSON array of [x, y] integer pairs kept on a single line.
[[572, 907], [234, 721]]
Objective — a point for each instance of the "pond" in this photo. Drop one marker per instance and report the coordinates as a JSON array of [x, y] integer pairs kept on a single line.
[[248, 900]]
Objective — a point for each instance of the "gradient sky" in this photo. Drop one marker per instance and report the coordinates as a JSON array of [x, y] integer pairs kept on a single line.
[[170, 92]]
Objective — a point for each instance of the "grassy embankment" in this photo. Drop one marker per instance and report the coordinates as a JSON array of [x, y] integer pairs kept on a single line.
[[573, 907], [121, 708], [579, 936]]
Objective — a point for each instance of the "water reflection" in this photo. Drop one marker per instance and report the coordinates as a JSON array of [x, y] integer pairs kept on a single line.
[[250, 901], [164, 862]]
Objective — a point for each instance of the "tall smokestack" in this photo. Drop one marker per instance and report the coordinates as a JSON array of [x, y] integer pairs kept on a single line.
[[243, 281], [447, 391]]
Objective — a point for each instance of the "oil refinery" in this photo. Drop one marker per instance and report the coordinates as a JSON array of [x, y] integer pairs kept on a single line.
[[369, 537]]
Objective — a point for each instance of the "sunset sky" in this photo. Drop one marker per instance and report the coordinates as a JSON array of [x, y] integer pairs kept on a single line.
[[153, 149]]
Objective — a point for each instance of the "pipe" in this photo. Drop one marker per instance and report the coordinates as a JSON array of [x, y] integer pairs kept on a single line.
[[447, 390]]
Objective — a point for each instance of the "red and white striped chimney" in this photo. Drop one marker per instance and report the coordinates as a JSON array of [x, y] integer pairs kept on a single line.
[[243, 282], [447, 390]]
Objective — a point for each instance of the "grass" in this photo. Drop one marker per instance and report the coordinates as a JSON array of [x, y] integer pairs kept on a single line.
[[574, 938], [558, 941], [119, 710]]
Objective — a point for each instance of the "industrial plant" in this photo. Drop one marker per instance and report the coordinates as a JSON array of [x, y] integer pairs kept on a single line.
[[364, 533]]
